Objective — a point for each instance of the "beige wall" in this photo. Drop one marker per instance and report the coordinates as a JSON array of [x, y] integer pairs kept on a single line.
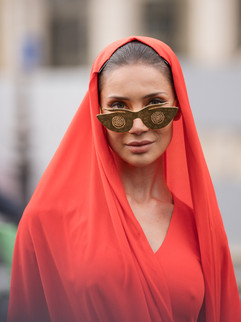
[[20, 19], [1, 34], [111, 20], [213, 30]]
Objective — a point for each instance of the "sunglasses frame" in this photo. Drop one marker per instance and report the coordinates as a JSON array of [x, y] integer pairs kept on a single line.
[[154, 116]]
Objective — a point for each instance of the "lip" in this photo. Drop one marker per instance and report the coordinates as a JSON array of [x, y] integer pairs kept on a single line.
[[139, 146]]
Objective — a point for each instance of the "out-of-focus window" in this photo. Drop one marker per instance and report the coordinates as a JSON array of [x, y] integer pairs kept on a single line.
[[68, 32], [165, 20]]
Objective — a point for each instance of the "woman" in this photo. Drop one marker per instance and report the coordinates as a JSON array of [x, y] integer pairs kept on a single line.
[[124, 224]]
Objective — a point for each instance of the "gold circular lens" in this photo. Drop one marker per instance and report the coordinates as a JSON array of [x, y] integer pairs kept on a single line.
[[157, 117], [118, 122]]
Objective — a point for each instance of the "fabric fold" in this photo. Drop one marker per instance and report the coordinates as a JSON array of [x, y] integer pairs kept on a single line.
[[78, 256]]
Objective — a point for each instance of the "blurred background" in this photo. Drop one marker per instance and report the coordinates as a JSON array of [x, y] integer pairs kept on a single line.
[[46, 51]]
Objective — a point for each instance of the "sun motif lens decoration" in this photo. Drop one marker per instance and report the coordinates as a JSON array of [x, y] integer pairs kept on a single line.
[[118, 122], [157, 117]]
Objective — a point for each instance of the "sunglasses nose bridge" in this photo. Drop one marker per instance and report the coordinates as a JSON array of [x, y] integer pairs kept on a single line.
[[137, 125], [137, 115]]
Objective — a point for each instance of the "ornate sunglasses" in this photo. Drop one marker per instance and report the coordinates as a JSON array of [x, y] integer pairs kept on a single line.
[[154, 116]]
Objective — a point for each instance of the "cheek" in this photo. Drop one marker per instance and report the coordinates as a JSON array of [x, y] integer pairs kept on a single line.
[[113, 139], [165, 131], [165, 134]]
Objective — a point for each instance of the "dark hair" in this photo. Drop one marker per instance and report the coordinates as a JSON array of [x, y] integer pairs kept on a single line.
[[135, 52]]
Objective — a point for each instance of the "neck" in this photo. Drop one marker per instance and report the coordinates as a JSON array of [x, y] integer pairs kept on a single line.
[[143, 184]]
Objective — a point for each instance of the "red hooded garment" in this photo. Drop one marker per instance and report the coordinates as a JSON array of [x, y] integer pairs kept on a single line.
[[80, 254]]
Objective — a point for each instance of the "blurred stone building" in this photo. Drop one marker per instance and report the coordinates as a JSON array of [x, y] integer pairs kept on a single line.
[[72, 32]]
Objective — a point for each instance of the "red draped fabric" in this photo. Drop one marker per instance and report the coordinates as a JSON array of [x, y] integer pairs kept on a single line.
[[79, 255]]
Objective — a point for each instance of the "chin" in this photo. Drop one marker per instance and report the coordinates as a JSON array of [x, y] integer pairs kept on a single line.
[[141, 161]]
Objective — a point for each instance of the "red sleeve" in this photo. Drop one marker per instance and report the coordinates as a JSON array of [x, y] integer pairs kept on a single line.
[[231, 306], [27, 300]]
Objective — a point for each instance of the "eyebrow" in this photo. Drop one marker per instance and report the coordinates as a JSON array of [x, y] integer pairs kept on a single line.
[[118, 98], [154, 94], [128, 99]]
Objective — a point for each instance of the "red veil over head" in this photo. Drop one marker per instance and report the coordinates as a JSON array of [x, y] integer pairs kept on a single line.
[[79, 211]]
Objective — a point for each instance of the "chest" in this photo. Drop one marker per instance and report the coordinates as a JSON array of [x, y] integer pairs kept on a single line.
[[100, 274], [154, 220]]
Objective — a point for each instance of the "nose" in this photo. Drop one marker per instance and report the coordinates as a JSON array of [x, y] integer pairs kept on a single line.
[[138, 127]]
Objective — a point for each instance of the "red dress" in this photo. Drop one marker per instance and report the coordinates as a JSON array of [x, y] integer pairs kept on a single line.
[[107, 285], [80, 254], [179, 256]]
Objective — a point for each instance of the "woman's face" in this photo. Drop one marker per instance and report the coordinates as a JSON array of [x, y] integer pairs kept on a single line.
[[133, 87]]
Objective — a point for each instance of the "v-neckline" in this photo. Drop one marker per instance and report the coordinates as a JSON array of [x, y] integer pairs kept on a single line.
[[168, 233], [144, 237]]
